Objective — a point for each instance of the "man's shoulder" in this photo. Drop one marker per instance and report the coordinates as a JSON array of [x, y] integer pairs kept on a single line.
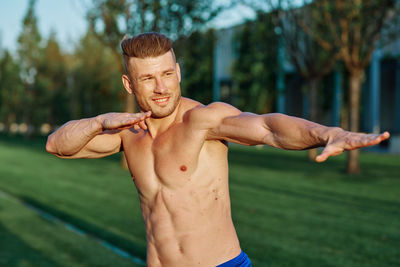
[[207, 116]]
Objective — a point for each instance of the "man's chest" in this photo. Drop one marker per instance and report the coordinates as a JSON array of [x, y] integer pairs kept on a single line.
[[171, 159]]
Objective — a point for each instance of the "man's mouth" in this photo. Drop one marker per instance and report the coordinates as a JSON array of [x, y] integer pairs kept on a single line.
[[161, 100]]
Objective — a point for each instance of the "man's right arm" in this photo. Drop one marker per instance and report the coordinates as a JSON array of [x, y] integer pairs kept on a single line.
[[93, 137]]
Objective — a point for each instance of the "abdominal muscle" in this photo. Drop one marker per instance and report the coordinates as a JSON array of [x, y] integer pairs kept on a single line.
[[189, 227]]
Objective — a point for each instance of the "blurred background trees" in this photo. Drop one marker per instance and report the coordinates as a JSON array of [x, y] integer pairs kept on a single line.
[[318, 33], [353, 28], [254, 69], [42, 86], [195, 54]]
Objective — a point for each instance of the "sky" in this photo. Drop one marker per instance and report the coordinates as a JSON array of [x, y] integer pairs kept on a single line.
[[67, 19]]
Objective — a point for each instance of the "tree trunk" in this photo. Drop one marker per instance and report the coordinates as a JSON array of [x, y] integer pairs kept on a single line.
[[354, 106], [312, 153]]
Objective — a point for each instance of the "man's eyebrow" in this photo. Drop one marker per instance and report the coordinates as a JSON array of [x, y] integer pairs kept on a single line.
[[144, 76], [169, 70]]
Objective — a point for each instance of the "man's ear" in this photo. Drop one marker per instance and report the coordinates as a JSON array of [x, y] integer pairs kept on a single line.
[[178, 71], [127, 84]]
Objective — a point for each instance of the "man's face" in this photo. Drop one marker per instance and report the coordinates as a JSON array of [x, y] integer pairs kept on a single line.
[[155, 81]]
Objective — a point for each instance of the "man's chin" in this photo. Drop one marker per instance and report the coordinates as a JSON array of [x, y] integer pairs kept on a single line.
[[160, 115], [162, 112]]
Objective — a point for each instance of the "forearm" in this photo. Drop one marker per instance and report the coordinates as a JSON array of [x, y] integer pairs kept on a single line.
[[73, 136], [295, 133]]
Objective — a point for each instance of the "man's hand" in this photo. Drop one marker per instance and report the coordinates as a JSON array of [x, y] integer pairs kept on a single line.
[[349, 141], [120, 121]]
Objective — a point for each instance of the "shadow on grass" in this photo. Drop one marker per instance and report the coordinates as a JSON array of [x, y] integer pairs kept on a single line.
[[15, 252], [92, 230]]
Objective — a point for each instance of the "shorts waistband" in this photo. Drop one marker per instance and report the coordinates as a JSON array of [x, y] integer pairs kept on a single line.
[[240, 261]]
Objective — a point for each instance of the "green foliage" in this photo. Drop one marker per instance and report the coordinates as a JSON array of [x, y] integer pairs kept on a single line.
[[195, 55], [30, 52], [43, 84], [11, 90], [52, 76], [112, 19], [46, 85], [96, 81], [255, 65]]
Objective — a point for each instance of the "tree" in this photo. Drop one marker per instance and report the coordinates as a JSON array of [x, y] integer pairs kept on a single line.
[[253, 76], [52, 78], [350, 30], [11, 90], [96, 84], [29, 52], [311, 61], [353, 28], [195, 54]]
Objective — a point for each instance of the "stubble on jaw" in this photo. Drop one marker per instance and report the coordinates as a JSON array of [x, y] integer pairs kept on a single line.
[[161, 113]]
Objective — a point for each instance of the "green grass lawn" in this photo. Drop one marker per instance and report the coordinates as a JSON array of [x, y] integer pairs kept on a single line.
[[288, 211], [26, 239]]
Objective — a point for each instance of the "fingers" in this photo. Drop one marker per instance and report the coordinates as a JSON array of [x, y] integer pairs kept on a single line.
[[369, 140], [384, 136], [364, 140], [125, 120], [139, 119], [142, 125], [328, 152], [322, 157]]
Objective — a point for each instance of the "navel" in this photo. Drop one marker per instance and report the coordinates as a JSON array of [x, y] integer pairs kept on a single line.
[[183, 168]]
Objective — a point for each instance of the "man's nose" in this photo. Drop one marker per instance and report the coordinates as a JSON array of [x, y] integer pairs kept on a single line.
[[160, 86]]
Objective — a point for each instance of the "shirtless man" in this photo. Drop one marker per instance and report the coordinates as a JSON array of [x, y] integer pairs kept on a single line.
[[176, 150]]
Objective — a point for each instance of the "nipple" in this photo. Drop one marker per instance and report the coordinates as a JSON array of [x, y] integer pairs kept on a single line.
[[183, 168], [133, 178]]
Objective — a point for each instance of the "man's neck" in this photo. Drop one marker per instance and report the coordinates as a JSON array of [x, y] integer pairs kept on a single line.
[[156, 126]]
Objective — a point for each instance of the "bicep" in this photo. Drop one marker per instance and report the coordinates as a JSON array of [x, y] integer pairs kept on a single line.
[[239, 127]]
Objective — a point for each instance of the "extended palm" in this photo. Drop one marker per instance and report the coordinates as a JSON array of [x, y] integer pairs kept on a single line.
[[350, 141]]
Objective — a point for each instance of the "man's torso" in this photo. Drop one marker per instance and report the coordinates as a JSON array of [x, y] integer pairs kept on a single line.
[[182, 180]]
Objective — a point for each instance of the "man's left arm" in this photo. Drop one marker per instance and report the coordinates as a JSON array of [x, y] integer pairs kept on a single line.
[[286, 132]]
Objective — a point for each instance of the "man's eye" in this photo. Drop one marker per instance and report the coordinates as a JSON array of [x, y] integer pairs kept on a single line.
[[169, 73]]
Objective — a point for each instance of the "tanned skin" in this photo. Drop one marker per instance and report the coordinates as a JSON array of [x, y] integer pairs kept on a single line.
[[177, 155]]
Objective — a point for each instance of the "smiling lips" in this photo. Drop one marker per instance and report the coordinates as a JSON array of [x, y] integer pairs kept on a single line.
[[161, 101]]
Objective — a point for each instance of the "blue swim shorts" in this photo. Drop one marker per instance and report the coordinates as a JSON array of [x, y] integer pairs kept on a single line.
[[240, 261]]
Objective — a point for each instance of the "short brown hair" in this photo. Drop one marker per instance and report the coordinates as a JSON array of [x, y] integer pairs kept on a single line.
[[148, 44]]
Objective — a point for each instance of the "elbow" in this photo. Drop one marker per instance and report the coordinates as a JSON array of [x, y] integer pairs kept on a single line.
[[50, 147]]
